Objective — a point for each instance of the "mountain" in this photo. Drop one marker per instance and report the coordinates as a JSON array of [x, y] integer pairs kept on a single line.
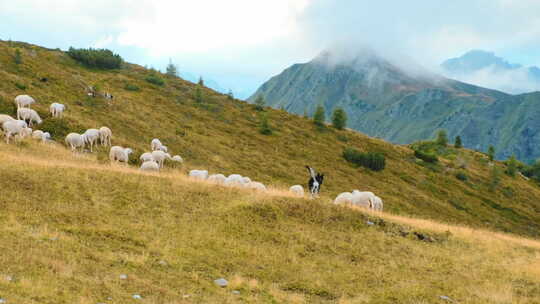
[[404, 104], [488, 70], [77, 229]]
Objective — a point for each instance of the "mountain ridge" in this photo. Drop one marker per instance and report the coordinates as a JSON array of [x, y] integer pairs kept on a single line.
[[402, 108]]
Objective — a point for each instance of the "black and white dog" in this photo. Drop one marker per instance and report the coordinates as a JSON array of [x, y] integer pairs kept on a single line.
[[315, 182]]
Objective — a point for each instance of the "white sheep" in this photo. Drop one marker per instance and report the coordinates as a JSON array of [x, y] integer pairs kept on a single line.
[[217, 178], [363, 199], [23, 101], [297, 190], [57, 109], [12, 128], [37, 134], [28, 114], [91, 137], [120, 154], [146, 157], [105, 135], [75, 140], [149, 166], [163, 148], [4, 118], [160, 156], [155, 144], [40, 135], [198, 174], [256, 186], [343, 198], [234, 180], [246, 180], [177, 158], [378, 204]]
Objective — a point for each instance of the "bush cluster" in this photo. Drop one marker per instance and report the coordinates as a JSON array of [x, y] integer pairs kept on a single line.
[[426, 156], [371, 160], [155, 79], [131, 87], [60, 127], [96, 58]]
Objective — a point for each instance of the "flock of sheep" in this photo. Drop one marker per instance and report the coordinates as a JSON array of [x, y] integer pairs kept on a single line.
[[150, 161]]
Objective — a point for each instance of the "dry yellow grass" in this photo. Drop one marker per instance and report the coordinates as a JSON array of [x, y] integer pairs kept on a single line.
[[69, 227]]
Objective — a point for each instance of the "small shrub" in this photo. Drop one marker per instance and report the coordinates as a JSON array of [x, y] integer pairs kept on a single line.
[[96, 58], [495, 179], [462, 176], [60, 127], [342, 138], [339, 119], [264, 126], [198, 95], [371, 160], [155, 79], [442, 138], [491, 153], [20, 86], [131, 87], [512, 166], [426, 156], [260, 103], [17, 58], [457, 143], [319, 116]]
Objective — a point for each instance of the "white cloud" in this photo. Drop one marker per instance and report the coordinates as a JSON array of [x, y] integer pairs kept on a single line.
[[201, 26]]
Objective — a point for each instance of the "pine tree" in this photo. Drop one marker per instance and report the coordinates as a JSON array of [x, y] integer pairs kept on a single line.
[[201, 81], [339, 119], [442, 138], [457, 143], [198, 95], [512, 166], [319, 116], [230, 95], [172, 70], [260, 103], [264, 126], [491, 153], [18, 57]]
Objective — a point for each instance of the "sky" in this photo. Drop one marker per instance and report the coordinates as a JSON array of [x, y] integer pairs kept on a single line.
[[242, 43]]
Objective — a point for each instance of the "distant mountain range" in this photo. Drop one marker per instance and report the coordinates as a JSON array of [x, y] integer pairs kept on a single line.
[[488, 70], [403, 105]]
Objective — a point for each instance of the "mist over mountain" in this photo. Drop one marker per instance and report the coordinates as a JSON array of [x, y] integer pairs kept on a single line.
[[402, 105], [488, 70]]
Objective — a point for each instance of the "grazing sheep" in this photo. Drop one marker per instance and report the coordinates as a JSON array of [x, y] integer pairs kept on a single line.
[[378, 204], [363, 199], [256, 186], [246, 180], [28, 114], [198, 174], [163, 148], [23, 101], [12, 128], [234, 180], [37, 134], [155, 144], [217, 178], [75, 140], [57, 109], [177, 158], [40, 135], [91, 137], [105, 135], [160, 156], [120, 154], [149, 166], [4, 118], [146, 157], [343, 198], [297, 190]]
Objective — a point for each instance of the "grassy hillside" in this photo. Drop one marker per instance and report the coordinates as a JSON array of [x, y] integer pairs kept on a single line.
[[70, 227], [221, 135]]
